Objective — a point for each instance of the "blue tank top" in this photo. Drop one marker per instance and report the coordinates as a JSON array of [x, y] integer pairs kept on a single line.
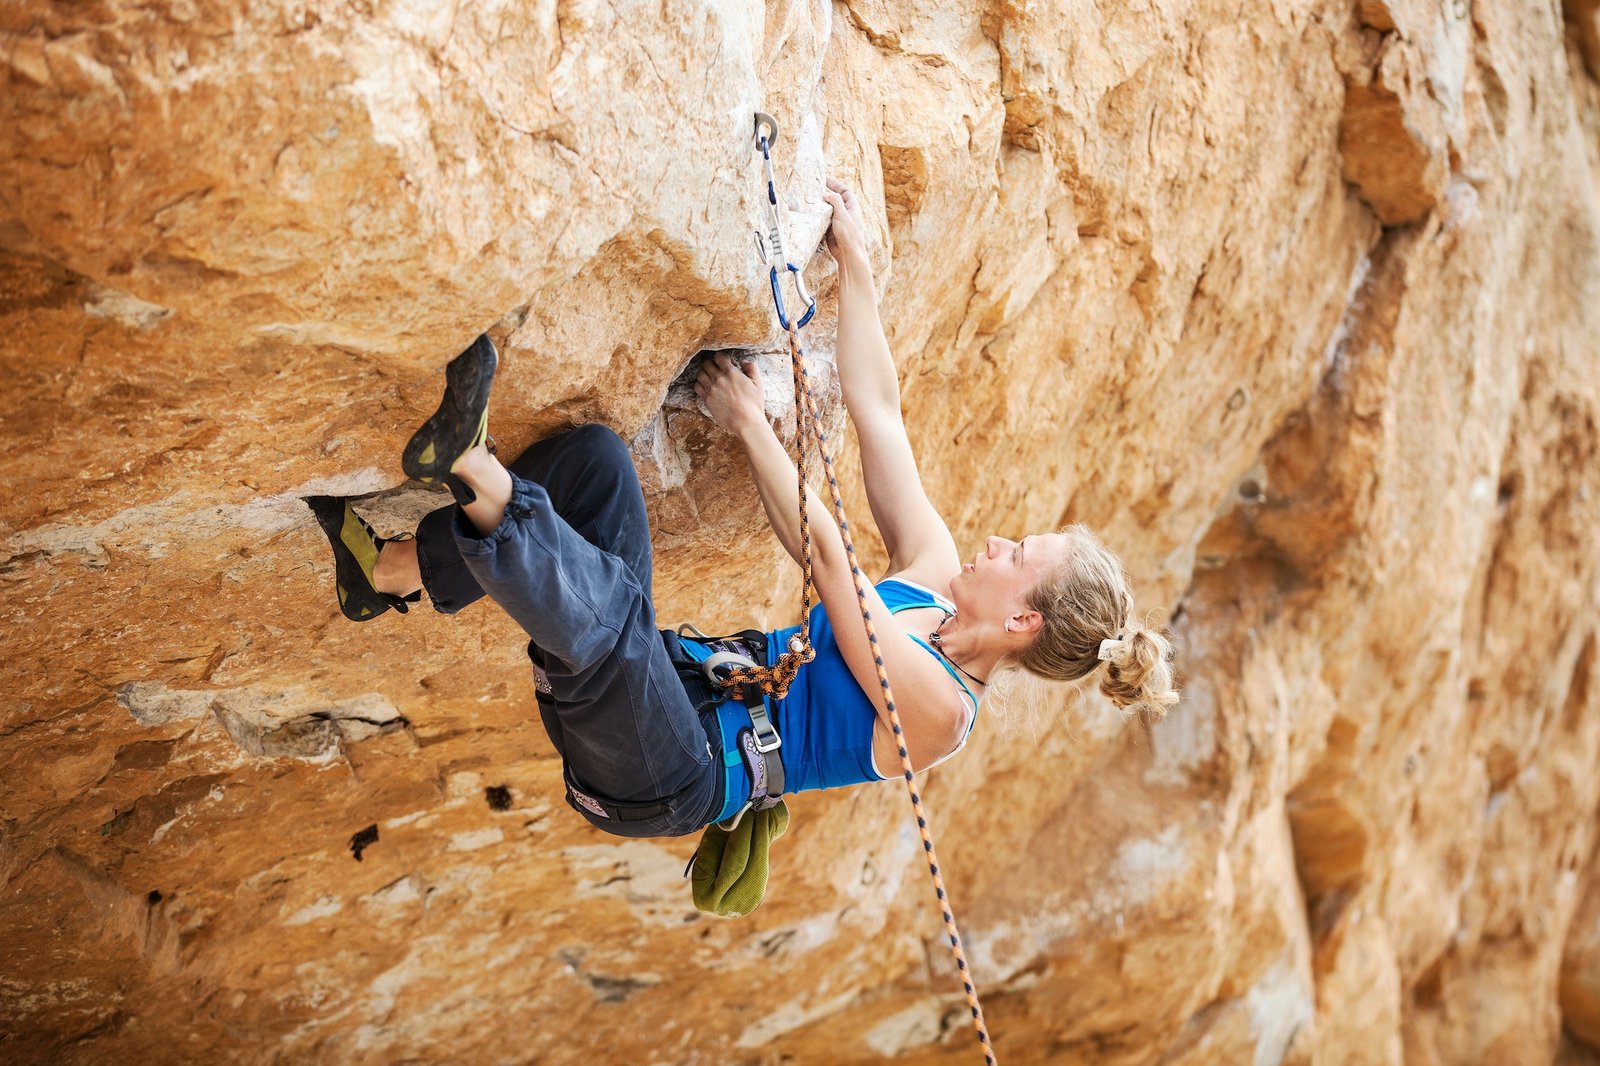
[[826, 721]]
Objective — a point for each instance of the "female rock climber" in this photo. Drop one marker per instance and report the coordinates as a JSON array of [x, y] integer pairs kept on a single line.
[[560, 540]]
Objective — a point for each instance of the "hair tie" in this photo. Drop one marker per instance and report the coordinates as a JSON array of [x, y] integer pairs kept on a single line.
[[1109, 646]]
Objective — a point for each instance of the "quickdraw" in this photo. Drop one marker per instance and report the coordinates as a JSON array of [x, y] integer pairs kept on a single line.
[[774, 681], [771, 247]]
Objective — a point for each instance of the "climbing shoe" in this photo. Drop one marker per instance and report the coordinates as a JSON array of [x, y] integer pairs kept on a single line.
[[460, 424], [355, 555]]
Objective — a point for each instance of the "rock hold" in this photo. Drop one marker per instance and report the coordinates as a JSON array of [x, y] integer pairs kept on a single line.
[[293, 724], [1392, 139]]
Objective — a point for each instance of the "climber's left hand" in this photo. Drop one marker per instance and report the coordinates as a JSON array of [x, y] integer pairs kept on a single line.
[[731, 391]]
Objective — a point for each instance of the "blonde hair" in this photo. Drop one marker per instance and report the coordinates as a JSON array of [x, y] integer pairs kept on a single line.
[[1086, 601]]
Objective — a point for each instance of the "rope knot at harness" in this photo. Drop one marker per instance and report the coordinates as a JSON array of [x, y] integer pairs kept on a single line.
[[774, 681]]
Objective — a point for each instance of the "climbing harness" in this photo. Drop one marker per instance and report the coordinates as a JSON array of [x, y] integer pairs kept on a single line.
[[774, 681], [760, 743]]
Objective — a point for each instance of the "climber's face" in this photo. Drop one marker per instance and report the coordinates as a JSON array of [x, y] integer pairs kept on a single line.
[[993, 587]]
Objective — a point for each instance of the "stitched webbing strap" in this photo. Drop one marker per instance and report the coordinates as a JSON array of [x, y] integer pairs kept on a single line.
[[783, 671]]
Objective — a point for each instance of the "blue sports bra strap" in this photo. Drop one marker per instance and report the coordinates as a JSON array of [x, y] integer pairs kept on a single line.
[[931, 650], [925, 597]]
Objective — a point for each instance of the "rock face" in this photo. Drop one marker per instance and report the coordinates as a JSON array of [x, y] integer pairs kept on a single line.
[[1296, 304]]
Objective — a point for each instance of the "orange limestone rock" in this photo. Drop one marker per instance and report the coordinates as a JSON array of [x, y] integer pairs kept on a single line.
[[1296, 305]]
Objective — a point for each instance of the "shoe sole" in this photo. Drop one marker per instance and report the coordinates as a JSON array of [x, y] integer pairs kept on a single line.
[[462, 416], [359, 601]]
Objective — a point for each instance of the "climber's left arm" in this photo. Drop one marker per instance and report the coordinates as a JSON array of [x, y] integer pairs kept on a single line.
[[732, 395], [931, 712]]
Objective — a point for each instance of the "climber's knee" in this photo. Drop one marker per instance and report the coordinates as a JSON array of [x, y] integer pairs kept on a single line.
[[601, 443]]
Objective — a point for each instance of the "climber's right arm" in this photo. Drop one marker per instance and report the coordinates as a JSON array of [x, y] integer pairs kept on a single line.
[[914, 534]]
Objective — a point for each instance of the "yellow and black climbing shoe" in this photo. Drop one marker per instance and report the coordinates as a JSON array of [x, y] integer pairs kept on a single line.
[[461, 422], [355, 554]]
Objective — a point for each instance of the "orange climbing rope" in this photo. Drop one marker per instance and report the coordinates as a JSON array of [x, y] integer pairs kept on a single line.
[[775, 680]]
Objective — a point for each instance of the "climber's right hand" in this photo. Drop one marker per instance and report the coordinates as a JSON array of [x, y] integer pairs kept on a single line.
[[846, 236]]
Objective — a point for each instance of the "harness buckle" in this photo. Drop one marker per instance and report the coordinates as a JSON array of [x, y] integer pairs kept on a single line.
[[763, 728]]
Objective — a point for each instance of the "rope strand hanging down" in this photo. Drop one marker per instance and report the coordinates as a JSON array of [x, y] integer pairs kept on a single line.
[[775, 680]]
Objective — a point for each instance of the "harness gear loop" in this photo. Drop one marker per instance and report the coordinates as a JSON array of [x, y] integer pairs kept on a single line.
[[807, 417]]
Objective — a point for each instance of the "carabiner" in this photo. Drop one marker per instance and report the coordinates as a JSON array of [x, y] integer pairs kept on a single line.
[[771, 247]]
